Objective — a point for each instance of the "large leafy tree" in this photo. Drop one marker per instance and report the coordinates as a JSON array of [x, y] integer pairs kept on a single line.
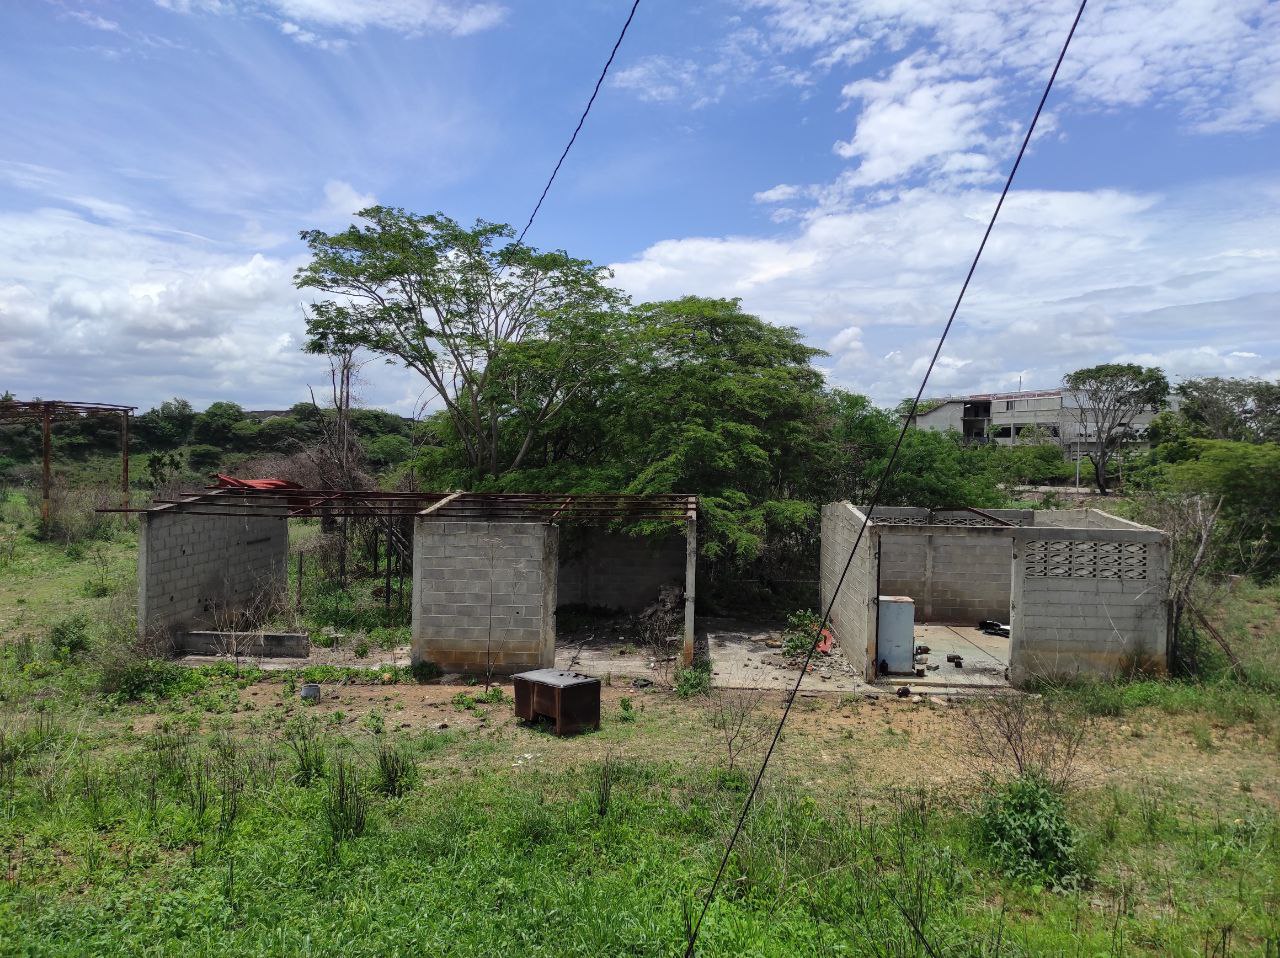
[[167, 426], [1108, 398], [1243, 410], [506, 336]]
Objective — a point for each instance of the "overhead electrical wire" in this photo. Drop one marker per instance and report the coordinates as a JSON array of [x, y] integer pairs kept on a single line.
[[696, 926], [581, 120]]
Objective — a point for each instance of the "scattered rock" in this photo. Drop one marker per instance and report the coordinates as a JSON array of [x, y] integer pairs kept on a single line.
[[441, 726]]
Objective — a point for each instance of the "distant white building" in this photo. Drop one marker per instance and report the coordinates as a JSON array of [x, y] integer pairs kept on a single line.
[[1001, 417]]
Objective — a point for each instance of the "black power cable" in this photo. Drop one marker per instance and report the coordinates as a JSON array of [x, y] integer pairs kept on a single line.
[[581, 120], [879, 490]]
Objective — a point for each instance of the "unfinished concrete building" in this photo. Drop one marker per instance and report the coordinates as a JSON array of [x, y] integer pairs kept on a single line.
[[488, 570], [1083, 593]]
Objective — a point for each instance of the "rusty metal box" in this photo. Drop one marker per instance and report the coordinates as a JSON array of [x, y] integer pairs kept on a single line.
[[569, 699]]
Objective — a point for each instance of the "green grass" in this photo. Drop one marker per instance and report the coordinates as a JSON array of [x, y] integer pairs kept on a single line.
[[181, 844], [164, 815]]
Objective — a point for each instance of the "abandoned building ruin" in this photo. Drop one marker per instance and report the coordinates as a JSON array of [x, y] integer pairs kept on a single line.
[[1083, 593], [488, 570]]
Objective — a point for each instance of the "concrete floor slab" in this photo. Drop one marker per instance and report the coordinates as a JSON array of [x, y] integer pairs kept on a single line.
[[747, 654], [985, 658]]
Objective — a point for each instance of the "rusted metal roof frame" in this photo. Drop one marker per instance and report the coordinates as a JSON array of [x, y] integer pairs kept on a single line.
[[478, 506]]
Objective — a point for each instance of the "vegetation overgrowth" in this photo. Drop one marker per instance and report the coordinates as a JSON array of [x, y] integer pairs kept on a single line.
[[150, 808]]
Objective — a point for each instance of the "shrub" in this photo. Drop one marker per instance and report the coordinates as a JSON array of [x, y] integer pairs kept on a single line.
[[140, 678], [693, 681], [801, 632], [1025, 829], [70, 636], [204, 457]]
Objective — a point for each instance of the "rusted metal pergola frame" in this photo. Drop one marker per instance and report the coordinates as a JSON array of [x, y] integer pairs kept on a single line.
[[479, 506], [49, 411]]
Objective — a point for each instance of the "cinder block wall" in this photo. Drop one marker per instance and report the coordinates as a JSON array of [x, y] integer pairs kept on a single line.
[[959, 574], [1088, 602], [616, 571], [191, 566], [484, 595], [853, 616]]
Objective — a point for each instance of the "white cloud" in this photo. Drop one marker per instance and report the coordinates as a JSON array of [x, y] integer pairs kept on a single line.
[[916, 117], [458, 17], [302, 20], [114, 311], [93, 21], [960, 70], [341, 203], [779, 194], [659, 79], [1068, 279]]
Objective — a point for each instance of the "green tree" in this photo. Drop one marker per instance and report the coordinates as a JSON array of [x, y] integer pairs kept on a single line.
[[506, 336], [1246, 477], [1244, 410], [384, 451], [216, 425], [1107, 399], [165, 427]]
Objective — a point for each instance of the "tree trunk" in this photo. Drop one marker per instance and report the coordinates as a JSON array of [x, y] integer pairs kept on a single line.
[[1100, 471]]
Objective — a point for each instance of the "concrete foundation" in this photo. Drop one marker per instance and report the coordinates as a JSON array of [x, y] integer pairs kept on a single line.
[[1084, 593], [193, 569], [290, 645]]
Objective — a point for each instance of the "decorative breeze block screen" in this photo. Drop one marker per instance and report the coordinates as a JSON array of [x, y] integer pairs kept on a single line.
[[1085, 560]]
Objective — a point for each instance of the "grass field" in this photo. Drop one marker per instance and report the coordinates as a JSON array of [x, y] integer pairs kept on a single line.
[[147, 809]]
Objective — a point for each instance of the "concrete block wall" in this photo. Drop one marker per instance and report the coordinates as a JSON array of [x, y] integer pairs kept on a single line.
[[484, 595], [853, 617], [190, 567], [958, 574], [1083, 519], [1088, 602], [617, 571]]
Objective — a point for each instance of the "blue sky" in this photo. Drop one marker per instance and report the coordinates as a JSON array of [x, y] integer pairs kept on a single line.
[[829, 162]]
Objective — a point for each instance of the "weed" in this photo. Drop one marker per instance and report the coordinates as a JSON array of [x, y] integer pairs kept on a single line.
[[308, 747], [626, 711], [154, 678], [604, 786], [70, 636], [1025, 829], [1153, 811], [424, 671], [346, 804], [1202, 735], [693, 681], [362, 649], [396, 772], [375, 723], [801, 632]]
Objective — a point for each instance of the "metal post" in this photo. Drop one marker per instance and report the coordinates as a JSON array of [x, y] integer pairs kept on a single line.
[[298, 600], [690, 570], [44, 485], [386, 581], [124, 463]]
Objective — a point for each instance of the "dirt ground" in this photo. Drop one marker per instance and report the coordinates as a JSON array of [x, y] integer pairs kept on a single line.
[[881, 742]]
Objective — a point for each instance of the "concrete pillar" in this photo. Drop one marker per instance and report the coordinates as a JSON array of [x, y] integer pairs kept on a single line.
[[690, 573]]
